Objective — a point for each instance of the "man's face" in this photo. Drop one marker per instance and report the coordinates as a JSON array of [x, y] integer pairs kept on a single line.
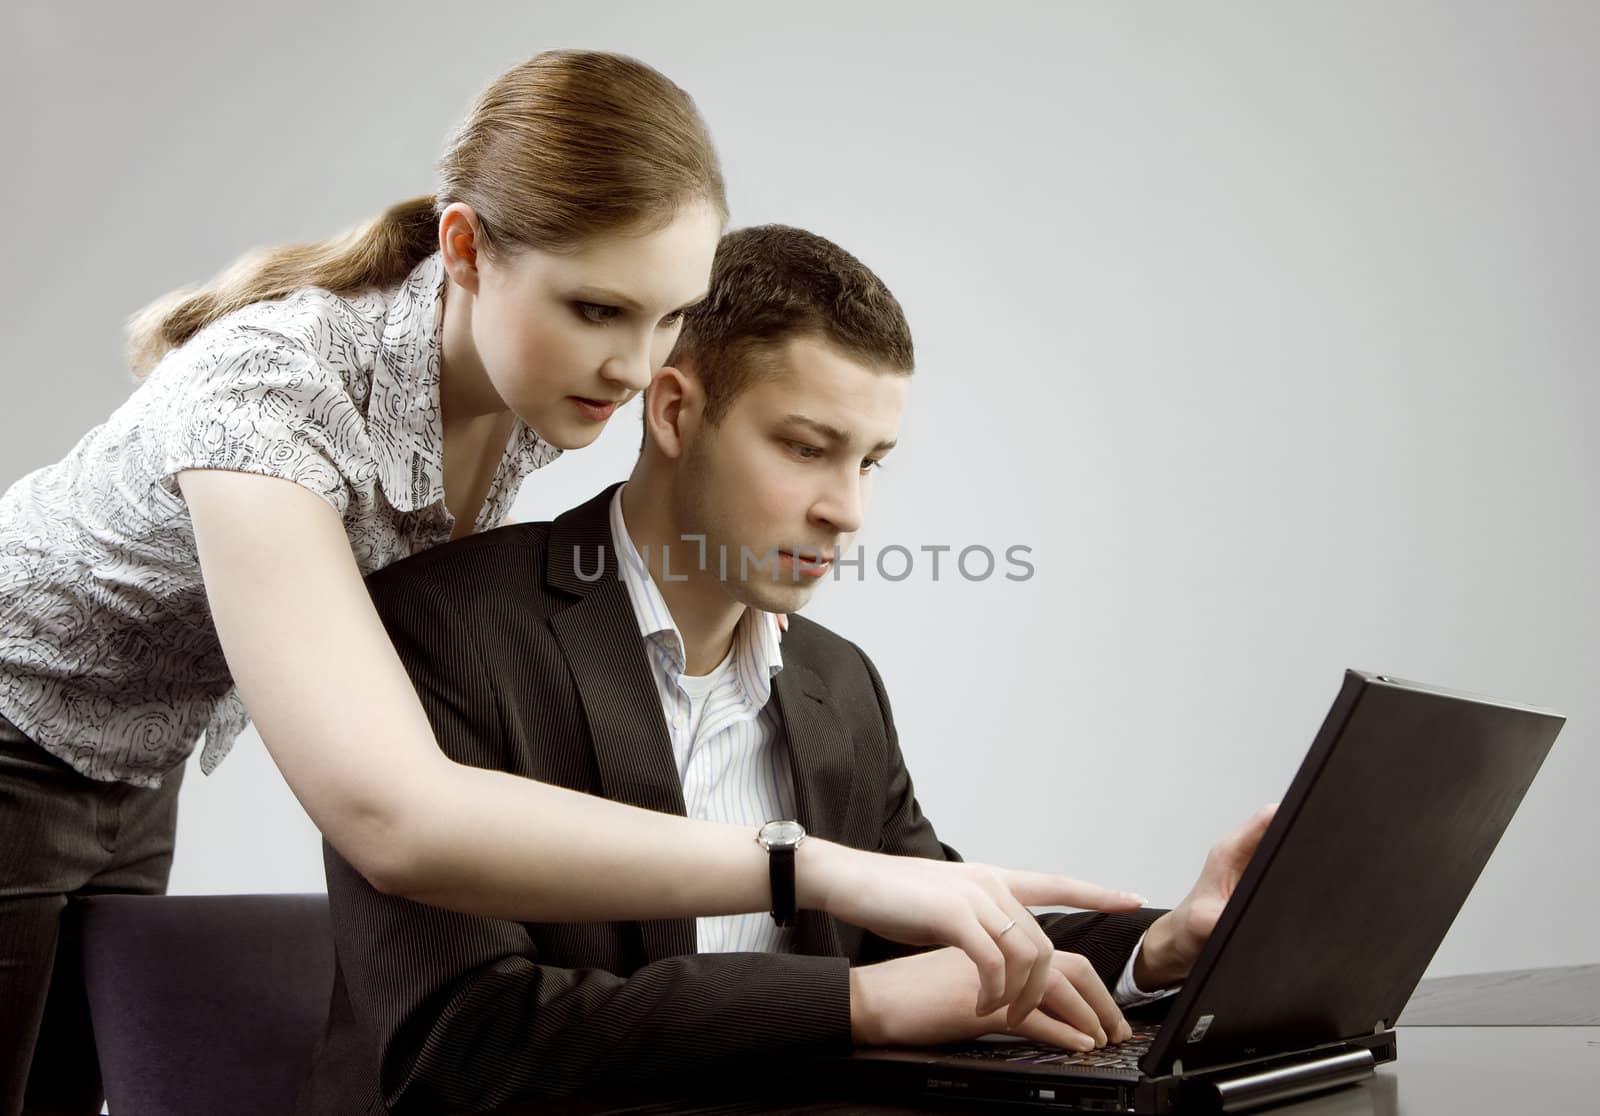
[[779, 486]]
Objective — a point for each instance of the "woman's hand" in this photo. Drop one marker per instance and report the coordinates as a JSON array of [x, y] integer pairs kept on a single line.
[[978, 909]]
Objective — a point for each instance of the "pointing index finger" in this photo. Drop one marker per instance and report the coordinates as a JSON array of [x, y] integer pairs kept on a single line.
[[1045, 889]]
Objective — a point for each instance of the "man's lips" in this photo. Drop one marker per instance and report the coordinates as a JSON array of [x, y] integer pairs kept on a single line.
[[818, 556], [806, 564]]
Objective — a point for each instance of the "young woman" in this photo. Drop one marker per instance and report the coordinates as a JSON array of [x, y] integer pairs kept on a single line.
[[312, 415]]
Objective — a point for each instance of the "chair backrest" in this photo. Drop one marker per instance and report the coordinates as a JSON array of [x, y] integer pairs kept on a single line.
[[206, 1004]]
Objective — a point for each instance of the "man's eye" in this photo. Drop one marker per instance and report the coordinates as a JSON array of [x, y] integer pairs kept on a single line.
[[805, 452], [597, 312], [870, 464]]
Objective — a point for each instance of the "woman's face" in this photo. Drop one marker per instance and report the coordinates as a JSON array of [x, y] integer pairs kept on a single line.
[[565, 339]]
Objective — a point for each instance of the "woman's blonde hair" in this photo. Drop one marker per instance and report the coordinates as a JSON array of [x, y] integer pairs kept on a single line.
[[566, 146]]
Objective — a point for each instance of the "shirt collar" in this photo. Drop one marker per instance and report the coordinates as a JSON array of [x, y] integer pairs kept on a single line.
[[757, 654], [403, 413]]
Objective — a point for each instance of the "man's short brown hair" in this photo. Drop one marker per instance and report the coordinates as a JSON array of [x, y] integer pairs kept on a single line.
[[771, 283]]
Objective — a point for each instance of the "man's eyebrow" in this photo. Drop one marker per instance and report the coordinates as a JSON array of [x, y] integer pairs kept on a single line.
[[616, 298], [833, 433]]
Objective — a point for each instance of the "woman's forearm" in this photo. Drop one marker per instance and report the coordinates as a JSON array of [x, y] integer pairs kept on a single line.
[[343, 721], [488, 843]]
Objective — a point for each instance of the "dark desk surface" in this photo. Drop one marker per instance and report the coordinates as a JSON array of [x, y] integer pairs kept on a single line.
[[1487, 1043], [1562, 997]]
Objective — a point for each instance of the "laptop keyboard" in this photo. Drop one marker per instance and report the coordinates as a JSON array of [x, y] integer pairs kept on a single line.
[[1118, 1055]]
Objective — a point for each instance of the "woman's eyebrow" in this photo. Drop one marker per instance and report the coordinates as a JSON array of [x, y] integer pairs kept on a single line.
[[617, 298]]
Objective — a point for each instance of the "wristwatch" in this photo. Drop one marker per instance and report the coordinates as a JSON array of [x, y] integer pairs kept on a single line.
[[780, 839]]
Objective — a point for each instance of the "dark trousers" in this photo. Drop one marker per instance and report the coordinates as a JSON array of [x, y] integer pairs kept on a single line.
[[63, 835]]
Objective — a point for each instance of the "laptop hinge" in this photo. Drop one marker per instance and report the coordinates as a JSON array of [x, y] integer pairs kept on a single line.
[[1237, 1092]]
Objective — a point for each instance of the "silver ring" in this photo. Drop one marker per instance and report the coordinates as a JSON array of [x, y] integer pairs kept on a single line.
[[1004, 930]]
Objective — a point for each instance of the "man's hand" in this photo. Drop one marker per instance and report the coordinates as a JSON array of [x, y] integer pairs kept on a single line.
[[927, 998], [1174, 941]]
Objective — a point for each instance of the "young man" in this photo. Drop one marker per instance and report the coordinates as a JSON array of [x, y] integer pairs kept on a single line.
[[635, 648]]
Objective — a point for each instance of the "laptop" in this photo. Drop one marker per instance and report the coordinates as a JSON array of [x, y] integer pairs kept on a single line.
[[1377, 843]]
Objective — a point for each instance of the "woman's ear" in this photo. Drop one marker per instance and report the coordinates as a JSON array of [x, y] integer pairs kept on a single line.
[[460, 241], [673, 404]]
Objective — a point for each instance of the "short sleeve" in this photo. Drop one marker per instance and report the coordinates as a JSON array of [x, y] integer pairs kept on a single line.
[[251, 400]]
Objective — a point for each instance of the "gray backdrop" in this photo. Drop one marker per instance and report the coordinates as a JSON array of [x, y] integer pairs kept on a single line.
[[1268, 327]]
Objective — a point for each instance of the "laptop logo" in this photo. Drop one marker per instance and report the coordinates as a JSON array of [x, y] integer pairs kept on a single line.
[[1201, 1026]]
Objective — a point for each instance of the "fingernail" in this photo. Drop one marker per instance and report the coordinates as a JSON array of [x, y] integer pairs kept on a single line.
[[1136, 897]]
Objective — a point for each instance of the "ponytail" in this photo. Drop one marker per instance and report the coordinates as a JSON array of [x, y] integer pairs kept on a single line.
[[378, 254], [565, 146]]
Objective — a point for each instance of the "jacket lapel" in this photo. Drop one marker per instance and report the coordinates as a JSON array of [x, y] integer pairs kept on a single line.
[[822, 760], [600, 636]]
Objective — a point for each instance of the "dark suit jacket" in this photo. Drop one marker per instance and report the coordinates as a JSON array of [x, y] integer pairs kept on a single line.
[[524, 666]]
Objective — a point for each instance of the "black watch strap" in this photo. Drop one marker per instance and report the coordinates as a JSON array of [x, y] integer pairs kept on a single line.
[[780, 839], [780, 866]]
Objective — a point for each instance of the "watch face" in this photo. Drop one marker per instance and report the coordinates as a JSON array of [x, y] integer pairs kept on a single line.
[[782, 834]]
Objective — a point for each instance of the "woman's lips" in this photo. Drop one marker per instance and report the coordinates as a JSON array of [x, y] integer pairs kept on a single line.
[[595, 410]]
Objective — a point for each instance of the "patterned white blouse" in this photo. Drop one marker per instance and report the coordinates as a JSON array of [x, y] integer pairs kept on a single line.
[[108, 656]]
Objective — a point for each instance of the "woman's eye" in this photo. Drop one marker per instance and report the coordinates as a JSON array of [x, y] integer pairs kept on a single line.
[[596, 312], [673, 318], [870, 464], [805, 452]]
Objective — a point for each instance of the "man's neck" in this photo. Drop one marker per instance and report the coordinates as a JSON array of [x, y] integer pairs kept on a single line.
[[706, 616]]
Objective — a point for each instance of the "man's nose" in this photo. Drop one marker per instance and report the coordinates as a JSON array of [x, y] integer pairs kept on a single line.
[[840, 505]]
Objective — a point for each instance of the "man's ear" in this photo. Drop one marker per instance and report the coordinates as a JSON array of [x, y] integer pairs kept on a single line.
[[673, 405], [460, 241]]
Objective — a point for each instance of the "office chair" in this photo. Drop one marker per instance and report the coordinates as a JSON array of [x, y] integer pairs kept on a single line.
[[205, 1004]]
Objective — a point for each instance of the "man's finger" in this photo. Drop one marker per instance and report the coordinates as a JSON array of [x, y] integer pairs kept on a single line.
[[1241, 843], [1065, 1002], [1042, 1027]]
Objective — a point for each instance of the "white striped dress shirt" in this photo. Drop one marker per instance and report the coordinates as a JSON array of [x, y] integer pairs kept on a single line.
[[727, 737]]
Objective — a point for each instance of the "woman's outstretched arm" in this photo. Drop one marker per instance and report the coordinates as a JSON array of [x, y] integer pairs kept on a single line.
[[342, 721]]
